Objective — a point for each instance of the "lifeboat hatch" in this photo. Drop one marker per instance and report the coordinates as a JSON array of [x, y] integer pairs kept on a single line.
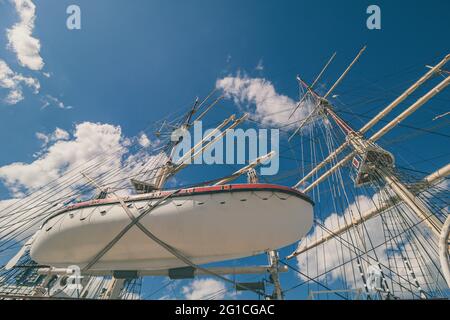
[[125, 274], [182, 273]]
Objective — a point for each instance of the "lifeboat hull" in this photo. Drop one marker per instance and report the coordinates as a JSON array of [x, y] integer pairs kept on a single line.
[[207, 224]]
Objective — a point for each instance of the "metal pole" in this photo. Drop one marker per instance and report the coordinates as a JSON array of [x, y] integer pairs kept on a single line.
[[330, 172], [419, 209], [441, 86], [165, 272], [273, 270], [328, 159], [168, 169], [247, 168], [206, 138], [182, 165], [345, 72], [404, 95]]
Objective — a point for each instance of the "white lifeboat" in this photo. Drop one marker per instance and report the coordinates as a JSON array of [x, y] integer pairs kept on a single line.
[[206, 224]]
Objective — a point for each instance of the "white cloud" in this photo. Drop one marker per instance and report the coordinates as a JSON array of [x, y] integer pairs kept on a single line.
[[20, 39], [260, 65], [144, 141], [43, 137], [90, 139], [27, 49], [58, 134], [204, 289], [94, 148], [61, 154], [51, 100], [271, 108], [14, 96], [14, 82]]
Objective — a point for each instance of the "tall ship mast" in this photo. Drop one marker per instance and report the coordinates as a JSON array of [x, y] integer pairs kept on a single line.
[[362, 227]]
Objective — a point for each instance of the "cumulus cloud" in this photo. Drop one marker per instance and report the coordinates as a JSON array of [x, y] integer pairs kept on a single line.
[[20, 39], [58, 134], [90, 139], [14, 82], [271, 108], [99, 150], [144, 141], [202, 289], [63, 152], [27, 49]]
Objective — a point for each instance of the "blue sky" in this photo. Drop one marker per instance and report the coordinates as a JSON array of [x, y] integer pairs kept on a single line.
[[127, 61], [133, 62]]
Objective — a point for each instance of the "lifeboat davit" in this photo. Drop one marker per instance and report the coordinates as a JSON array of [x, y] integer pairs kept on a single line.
[[206, 224]]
